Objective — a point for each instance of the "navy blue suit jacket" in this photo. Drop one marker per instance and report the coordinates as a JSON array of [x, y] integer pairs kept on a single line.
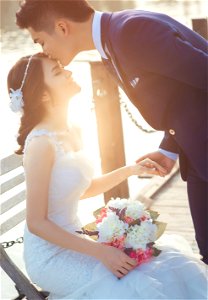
[[162, 66]]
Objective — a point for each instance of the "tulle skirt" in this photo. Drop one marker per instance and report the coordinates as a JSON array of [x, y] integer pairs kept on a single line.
[[174, 274]]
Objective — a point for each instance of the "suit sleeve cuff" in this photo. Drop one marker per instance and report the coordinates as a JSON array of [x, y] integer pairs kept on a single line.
[[169, 154]]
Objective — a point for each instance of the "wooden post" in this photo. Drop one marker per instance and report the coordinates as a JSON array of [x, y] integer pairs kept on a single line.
[[109, 124], [201, 27]]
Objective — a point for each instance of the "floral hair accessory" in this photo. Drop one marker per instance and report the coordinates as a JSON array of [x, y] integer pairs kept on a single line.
[[16, 96]]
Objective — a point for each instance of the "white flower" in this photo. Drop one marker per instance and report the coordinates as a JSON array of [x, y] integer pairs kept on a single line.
[[16, 103], [135, 209], [151, 229], [138, 236], [110, 227], [118, 203]]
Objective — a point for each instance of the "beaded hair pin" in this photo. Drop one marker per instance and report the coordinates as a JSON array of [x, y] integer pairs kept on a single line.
[[16, 96]]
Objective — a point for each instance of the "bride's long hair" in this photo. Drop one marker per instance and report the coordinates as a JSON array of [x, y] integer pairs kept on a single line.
[[33, 89]]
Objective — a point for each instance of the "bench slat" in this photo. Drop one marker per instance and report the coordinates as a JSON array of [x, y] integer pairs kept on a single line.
[[15, 220], [18, 277], [9, 184], [10, 162], [13, 201]]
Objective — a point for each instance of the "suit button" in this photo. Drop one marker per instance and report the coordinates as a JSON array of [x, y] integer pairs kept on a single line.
[[172, 132]]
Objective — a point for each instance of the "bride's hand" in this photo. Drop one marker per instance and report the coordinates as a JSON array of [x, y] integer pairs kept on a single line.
[[148, 166], [116, 261], [160, 158]]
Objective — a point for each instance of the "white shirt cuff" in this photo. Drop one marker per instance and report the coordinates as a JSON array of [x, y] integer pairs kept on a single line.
[[169, 154]]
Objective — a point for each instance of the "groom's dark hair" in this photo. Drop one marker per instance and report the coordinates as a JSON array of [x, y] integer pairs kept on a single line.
[[40, 14]]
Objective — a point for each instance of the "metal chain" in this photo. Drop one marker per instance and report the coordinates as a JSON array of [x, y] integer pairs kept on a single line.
[[19, 240], [102, 93], [125, 106]]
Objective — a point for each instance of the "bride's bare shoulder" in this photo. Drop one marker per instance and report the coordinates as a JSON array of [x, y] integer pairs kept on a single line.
[[38, 147]]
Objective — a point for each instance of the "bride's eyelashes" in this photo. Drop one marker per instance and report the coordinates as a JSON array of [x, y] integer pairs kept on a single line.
[[58, 73], [57, 70]]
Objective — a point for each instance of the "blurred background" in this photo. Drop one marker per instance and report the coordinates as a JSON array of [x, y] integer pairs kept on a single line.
[[182, 10]]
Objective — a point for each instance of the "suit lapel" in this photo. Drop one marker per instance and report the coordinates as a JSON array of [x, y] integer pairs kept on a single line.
[[112, 62]]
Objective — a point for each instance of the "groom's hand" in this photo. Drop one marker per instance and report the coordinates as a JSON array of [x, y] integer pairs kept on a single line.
[[161, 159]]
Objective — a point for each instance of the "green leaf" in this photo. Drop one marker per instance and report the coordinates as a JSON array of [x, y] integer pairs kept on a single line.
[[154, 214], [91, 227], [161, 226], [97, 211], [156, 251]]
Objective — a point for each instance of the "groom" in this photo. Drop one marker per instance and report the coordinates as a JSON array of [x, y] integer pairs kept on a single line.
[[159, 63]]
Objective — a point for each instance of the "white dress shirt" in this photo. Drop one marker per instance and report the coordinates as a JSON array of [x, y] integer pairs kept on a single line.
[[96, 35]]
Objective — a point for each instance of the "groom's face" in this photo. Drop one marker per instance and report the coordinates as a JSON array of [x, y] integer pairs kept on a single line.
[[57, 45]]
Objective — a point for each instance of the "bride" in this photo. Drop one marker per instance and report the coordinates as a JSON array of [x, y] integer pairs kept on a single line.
[[58, 175]]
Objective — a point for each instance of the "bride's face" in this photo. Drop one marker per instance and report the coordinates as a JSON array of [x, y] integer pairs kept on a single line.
[[59, 81]]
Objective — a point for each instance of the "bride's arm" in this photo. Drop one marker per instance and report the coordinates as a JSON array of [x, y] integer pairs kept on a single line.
[[107, 181], [38, 162]]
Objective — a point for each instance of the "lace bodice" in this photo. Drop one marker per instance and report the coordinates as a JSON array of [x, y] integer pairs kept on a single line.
[[70, 177]]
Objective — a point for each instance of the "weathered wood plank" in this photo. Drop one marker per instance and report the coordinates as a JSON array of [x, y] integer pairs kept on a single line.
[[172, 204], [156, 184], [201, 26], [18, 277], [13, 201], [12, 182], [9, 163], [15, 220], [174, 211], [12, 213], [109, 124]]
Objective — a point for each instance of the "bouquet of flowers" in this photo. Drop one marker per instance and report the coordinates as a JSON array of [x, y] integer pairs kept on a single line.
[[127, 225]]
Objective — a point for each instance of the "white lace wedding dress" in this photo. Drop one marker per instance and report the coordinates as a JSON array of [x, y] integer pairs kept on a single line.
[[70, 275]]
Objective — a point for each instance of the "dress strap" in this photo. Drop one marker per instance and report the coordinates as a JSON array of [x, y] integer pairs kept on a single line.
[[43, 132]]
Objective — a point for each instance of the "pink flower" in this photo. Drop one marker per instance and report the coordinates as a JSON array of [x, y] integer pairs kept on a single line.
[[118, 242], [141, 256], [103, 214], [143, 218], [133, 255], [128, 220]]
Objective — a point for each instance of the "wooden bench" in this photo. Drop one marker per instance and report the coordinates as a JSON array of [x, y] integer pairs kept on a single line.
[[13, 213]]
